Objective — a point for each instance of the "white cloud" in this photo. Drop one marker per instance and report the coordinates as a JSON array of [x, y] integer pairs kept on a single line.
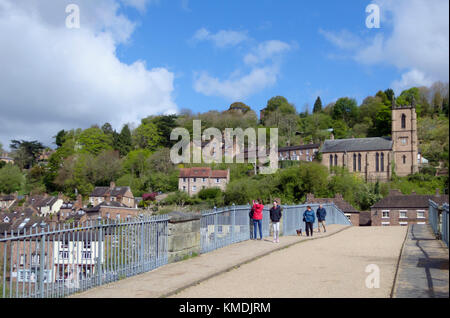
[[410, 79], [221, 39], [264, 69], [266, 50], [417, 44], [56, 78], [237, 88]]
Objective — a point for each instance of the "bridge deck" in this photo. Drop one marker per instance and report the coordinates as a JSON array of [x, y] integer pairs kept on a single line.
[[331, 264]]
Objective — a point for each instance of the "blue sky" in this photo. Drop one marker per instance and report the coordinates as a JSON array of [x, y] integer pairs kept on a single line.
[[129, 59], [313, 67]]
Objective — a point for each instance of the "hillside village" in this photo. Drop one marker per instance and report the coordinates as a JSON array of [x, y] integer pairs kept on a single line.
[[99, 172]]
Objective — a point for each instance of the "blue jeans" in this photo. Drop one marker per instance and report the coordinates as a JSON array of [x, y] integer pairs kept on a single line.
[[259, 224]]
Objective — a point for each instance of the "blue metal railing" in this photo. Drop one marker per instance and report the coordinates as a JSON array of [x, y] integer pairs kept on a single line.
[[439, 220], [228, 225], [51, 262]]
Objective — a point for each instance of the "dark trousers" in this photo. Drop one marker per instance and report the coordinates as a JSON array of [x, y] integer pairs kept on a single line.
[[309, 227]]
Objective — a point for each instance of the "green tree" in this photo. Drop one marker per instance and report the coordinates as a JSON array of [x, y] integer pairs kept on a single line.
[[146, 136], [317, 105], [25, 153], [11, 179], [59, 138], [124, 142], [346, 109], [93, 141]]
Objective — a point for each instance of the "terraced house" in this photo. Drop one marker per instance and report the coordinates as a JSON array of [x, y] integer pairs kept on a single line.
[[374, 158], [112, 193], [193, 180]]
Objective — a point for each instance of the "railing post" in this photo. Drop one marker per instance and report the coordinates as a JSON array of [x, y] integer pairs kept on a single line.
[[100, 250], [215, 228], [42, 261], [142, 243], [233, 221]]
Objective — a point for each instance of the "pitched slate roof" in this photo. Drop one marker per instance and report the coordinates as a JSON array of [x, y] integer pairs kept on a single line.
[[338, 200], [409, 201], [300, 147], [102, 191], [113, 204], [356, 144], [202, 172]]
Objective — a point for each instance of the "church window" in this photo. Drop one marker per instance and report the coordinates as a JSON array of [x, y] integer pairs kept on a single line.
[[404, 159], [403, 121], [382, 162], [359, 162], [331, 160], [354, 162], [377, 163], [335, 160]]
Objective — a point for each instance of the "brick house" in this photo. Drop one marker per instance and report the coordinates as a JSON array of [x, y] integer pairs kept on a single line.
[[371, 158], [110, 210], [298, 153], [400, 209], [192, 180], [46, 205], [6, 201], [350, 212], [119, 194]]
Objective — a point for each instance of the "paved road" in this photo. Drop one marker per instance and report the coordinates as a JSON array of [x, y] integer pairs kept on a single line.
[[423, 270], [328, 267]]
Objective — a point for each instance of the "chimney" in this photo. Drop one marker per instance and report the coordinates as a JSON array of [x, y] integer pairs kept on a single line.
[[112, 185], [119, 198], [108, 197], [79, 202], [331, 136]]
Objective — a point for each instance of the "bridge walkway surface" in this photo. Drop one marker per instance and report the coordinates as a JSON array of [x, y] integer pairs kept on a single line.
[[423, 270], [331, 264]]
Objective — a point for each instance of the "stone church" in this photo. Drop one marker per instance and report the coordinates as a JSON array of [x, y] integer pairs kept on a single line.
[[376, 158]]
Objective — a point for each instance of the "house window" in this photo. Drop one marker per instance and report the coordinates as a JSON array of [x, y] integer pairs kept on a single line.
[[64, 254], [219, 229], [421, 223], [217, 180], [194, 179], [184, 179], [86, 254], [307, 152], [204, 179], [403, 223], [184, 188], [403, 214], [23, 259], [194, 188], [385, 214], [385, 223], [118, 216], [107, 215], [87, 244], [349, 216], [420, 214], [64, 244], [35, 259], [403, 121]]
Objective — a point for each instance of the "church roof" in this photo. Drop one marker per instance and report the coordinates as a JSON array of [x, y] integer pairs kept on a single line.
[[357, 144]]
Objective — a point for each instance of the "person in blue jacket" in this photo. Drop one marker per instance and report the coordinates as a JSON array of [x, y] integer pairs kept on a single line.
[[321, 213], [309, 218]]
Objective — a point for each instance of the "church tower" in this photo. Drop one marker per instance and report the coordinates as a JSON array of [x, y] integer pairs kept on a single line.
[[404, 138]]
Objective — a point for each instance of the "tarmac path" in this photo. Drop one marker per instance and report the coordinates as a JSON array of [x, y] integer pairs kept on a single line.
[[332, 267]]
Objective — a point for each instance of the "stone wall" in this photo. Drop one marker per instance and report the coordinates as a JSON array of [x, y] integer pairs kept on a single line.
[[184, 235]]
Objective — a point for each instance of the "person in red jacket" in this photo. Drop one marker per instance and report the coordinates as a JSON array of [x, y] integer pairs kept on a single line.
[[257, 217]]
